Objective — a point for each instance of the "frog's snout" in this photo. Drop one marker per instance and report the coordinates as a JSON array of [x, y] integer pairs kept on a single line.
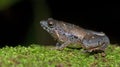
[[42, 23]]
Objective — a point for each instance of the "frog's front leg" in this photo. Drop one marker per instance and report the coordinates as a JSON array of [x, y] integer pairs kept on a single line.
[[58, 45], [62, 46]]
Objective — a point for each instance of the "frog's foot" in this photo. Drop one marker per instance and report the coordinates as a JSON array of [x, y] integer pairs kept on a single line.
[[53, 48], [97, 53], [58, 48], [103, 54], [58, 45]]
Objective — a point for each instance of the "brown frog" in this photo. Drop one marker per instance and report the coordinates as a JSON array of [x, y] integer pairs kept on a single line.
[[66, 34]]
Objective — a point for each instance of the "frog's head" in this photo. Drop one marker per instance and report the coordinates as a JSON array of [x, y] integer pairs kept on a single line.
[[49, 25]]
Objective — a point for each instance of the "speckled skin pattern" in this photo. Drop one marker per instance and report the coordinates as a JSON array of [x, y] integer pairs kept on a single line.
[[66, 34]]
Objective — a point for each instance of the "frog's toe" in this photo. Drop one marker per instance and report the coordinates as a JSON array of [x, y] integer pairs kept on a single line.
[[58, 44], [59, 48], [53, 48]]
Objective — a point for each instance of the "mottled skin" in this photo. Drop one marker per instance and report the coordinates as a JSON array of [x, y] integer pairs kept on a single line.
[[66, 34]]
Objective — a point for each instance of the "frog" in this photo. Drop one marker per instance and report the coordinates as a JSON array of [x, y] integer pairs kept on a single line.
[[66, 34]]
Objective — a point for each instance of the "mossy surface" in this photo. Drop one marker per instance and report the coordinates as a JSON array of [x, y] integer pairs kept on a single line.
[[44, 56]]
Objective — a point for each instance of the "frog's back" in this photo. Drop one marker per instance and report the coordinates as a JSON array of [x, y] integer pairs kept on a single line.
[[73, 29]]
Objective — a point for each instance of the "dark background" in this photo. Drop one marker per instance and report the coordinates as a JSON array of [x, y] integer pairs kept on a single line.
[[95, 16], [15, 21]]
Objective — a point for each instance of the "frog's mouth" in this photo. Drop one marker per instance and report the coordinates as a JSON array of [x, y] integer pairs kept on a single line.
[[45, 26]]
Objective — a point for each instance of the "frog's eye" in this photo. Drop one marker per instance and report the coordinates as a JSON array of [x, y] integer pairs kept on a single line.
[[50, 23]]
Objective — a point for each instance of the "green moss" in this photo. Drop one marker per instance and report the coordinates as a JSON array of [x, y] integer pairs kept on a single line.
[[44, 56]]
